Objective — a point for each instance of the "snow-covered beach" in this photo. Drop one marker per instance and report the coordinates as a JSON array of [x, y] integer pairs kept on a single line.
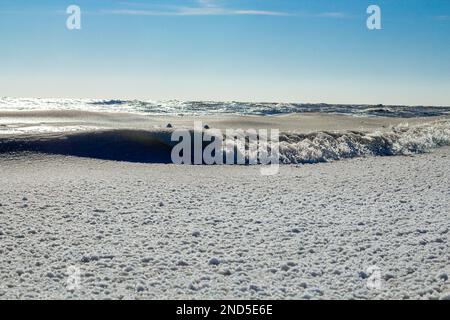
[[165, 231]]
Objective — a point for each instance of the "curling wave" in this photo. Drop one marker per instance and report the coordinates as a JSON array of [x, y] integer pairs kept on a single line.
[[294, 148]]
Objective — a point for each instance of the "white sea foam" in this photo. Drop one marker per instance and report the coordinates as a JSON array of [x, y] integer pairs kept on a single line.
[[328, 146]]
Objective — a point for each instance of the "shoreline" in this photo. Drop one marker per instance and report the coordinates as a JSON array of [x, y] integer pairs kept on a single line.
[[298, 122]]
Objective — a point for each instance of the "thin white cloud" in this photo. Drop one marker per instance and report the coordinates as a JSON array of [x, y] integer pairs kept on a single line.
[[262, 13], [332, 15], [209, 8], [195, 12], [203, 8]]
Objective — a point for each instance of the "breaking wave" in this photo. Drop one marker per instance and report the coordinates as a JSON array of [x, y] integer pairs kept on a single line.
[[329, 146], [294, 148]]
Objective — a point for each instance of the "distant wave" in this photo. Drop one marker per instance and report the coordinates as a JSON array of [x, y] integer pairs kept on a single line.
[[109, 102], [174, 107], [155, 146]]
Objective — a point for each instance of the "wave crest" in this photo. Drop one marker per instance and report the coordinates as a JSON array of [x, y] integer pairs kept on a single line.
[[294, 148], [329, 146]]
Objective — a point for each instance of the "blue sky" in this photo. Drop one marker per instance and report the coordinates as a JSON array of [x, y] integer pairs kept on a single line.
[[248, 50]]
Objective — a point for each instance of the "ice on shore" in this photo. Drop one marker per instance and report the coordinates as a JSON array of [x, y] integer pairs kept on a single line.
[[311, 232]]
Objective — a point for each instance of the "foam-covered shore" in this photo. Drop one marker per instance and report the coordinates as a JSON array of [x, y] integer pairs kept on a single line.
[[136, 230]]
